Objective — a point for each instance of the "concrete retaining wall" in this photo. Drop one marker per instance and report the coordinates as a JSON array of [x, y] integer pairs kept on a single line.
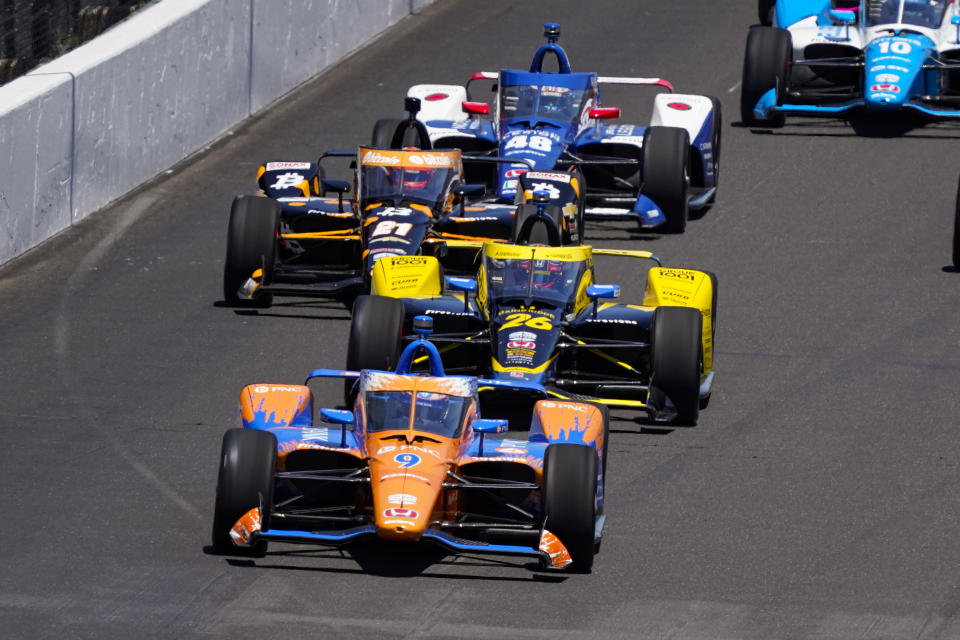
[[85, 129]]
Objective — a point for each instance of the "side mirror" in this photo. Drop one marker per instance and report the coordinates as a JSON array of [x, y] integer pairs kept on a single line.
[[461, 284], [843, 16], [484, 427], [340, 417], [337, 416], [490, 426], [469, 190], [466, 285], [475, 108], [339, 186], [596, 291], [604, 113]]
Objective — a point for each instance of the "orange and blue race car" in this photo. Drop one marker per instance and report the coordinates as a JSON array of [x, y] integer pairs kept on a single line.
[[412, 462]]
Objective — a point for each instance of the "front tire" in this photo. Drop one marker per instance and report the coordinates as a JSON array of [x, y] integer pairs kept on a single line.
[[675, 371], [251, 244], [248, 460], [765, 61], [665, 158], [570, 498]]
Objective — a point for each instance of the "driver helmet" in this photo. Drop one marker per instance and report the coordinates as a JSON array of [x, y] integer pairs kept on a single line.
[[546, 273], [555, 100], [431, 408], [921, 9], [415, 180]]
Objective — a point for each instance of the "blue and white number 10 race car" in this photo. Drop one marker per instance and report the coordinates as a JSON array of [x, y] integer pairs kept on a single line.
[[834, 57], [543, 121]]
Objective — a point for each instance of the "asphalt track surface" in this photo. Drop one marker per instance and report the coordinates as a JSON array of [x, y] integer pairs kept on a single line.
[[817, 498]]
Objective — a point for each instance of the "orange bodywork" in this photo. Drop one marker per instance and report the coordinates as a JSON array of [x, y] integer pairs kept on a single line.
[[568, 422], [408, 467]]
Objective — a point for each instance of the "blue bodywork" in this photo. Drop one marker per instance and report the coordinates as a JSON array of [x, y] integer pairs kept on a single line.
[[900, 68], [549, 137]]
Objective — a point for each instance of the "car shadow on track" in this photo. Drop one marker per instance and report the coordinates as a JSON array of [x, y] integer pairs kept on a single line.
[[866, 125], [295, 310], [639, 425], [394, 560]]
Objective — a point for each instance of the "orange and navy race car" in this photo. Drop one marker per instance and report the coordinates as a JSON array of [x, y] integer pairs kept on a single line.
[[294, 240], [412, 462]]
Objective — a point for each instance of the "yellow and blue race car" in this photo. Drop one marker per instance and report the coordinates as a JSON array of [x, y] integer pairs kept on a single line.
[[535, 313]]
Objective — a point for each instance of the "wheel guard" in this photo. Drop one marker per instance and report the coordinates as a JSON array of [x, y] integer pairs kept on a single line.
[[249, 288], [649, 213], [552, 551], [246, 528]]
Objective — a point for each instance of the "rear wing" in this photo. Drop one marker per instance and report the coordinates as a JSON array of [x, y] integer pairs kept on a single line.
[[659, 82], [628, 253]]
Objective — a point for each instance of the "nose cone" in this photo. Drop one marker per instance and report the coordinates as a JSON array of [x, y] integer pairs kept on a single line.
[[406, 484], [892, 69]]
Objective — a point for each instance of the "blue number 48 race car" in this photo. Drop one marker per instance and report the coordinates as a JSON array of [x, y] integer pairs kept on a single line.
[[549, 121], [835, 57]]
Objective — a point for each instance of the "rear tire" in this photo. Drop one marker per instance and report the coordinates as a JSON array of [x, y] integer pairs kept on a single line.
[[569, 499], [251, 244], [383, 132], [675, 371], [248, 460], [538, 233], [765, 61], [665, 181], [375, 333]]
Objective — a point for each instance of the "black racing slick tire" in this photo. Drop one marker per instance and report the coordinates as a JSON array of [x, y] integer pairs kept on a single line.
[[383, 132], [251, 245], [956, 232], [570, 499], [248, 461], [375, 332], [765, 11], [675, 367], [768, 53], [665, 173]]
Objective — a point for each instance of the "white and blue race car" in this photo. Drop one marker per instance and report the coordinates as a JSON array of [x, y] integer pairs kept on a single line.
[[838, 57], [543, 121]]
